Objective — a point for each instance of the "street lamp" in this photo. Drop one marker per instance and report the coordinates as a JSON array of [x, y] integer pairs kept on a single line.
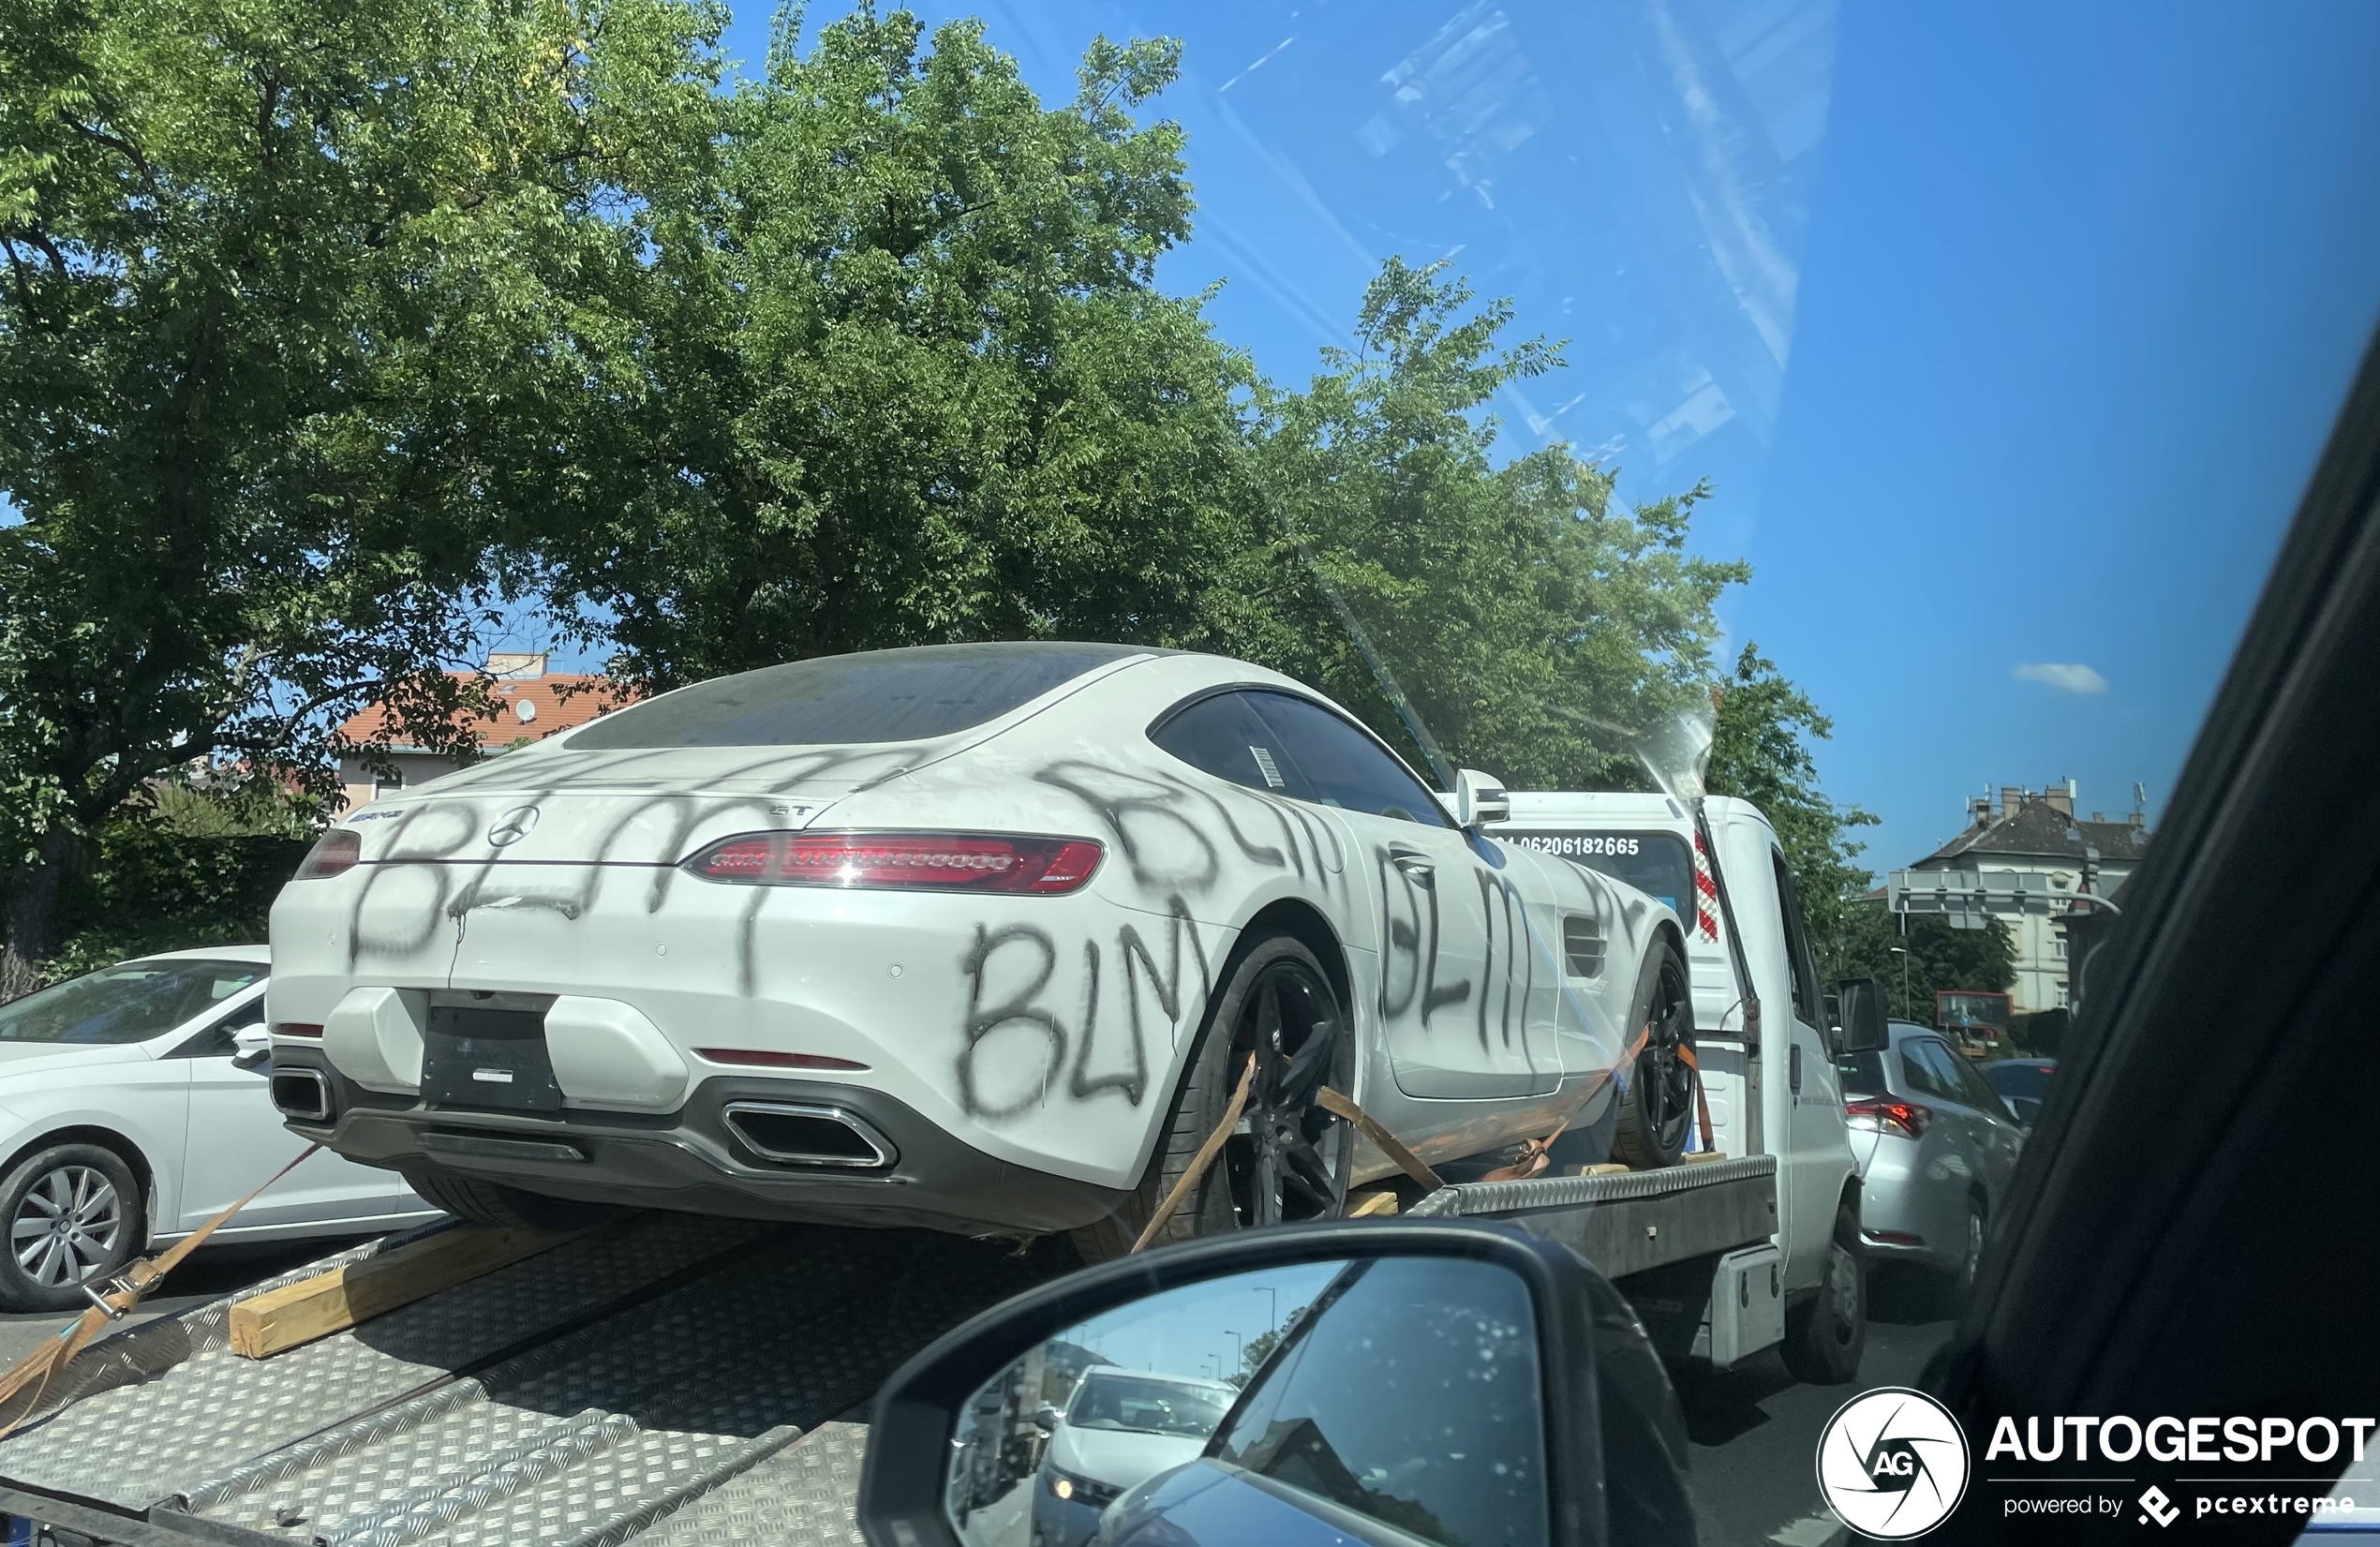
[[1238, 1348], [1902, 952], [1272, 1307]]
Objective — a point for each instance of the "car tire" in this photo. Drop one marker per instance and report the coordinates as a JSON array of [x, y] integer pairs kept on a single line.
[[75, 1215], [502, 1208], [1283, 1129], [1826, 1334], [1657, 1102]]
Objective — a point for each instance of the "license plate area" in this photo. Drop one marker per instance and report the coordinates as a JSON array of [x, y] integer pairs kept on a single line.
[[488, 1061]]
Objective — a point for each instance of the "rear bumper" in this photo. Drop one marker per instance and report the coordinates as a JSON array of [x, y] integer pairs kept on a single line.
[[692, 1160]]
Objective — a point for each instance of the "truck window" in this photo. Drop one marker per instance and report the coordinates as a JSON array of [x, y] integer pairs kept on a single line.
[[1797, 957], [1658, 864]]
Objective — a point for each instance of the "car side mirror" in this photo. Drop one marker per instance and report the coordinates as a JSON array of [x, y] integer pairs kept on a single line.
[[252, 1047], [1863, 1006], [1479, 798], [1259, 1386]]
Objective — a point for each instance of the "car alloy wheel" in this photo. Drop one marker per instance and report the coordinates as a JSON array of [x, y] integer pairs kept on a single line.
[[67, 1227], [1287, 1158]]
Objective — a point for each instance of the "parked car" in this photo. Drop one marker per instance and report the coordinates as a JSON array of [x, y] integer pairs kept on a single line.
[[2022, 1083], [133, 1108], [980, 937], [1935, 1147], [1121, 1428]]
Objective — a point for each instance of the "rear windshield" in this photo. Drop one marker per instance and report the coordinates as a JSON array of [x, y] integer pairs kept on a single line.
[[878, 696], [1658, 864], [1863, 1074]]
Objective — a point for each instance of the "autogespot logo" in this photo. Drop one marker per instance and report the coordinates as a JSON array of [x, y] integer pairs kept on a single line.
[[1892, 1463]]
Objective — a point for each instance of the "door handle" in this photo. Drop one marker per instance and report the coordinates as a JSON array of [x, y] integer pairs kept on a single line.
[[1414, 863], [1794, 1070]]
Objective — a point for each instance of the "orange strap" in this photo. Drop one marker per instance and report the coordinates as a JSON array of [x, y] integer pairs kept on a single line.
[[38, 1368], [1410, 1164], [1537, 1154], [1199, 1162], [1702, 1101]]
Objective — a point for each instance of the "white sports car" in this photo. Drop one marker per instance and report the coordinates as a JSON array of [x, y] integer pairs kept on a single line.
[[980, 937]]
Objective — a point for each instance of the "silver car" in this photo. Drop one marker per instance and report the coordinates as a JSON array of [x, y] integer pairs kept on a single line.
[[1935, 1146]]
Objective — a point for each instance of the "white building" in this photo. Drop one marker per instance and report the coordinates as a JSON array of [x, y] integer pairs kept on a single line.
[[2036, 833]]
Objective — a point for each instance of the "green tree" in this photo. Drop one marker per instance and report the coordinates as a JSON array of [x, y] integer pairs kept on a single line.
[[288, 289], [1534, 625], [898, 374], [1938, 957], [1762, 749]]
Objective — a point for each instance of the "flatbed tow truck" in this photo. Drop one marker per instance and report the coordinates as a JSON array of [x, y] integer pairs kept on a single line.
[[664, 1378], [677, 1379]]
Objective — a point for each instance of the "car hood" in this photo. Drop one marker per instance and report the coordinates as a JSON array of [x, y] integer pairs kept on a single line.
[[26, 1058], [1120, 1457]]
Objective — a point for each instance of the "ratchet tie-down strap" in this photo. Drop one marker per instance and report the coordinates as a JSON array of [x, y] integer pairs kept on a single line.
[[35, 1370]]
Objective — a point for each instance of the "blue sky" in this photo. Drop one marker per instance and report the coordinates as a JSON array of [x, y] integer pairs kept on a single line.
[[2008, 334]]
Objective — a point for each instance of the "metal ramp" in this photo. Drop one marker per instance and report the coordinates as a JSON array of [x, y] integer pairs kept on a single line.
[[672, 1378]]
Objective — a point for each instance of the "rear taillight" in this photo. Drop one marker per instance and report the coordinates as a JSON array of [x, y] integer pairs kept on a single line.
[[765, 1058], [942, 862], [296, 1027], [334, 853], [1906, 1117]]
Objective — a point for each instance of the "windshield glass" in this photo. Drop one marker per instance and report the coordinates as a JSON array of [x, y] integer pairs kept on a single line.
[[1146, 1407], [130, 1003], [874, 696]]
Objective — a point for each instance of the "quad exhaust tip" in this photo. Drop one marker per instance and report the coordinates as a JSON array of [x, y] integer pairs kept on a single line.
[[301, 1094], [799, 1133]]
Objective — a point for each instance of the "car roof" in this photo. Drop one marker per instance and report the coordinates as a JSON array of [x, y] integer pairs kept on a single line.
[[1196, 1382], [261, 955]]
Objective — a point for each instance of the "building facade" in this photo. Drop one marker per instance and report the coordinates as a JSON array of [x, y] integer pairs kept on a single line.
[[2037, 834], [535, 704]]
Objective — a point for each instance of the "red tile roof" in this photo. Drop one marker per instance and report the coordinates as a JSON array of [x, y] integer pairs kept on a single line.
[[550, 711]]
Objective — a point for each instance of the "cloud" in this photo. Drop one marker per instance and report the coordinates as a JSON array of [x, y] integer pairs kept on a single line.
[[2075, 678]]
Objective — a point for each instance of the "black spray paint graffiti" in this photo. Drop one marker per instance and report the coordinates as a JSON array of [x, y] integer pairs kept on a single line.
[[1157, 820], [997, 950], [440, 845]]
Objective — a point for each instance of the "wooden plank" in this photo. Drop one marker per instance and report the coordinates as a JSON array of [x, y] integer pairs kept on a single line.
[[298, 1314], [1362, 1205], [1703, 1156], [1608, 1168]]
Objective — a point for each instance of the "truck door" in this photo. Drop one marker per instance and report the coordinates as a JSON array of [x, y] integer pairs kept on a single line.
[[1809, 1142], [1460, 1004]]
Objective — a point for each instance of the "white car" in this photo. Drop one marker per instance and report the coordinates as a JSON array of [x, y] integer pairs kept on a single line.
[[133, 1108], [980, 937], [1121, 1428]]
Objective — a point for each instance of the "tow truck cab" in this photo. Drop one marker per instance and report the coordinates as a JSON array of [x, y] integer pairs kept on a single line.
[[1767, 1056]]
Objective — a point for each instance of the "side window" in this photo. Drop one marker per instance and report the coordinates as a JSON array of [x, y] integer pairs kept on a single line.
[[1345, 767], [1408, 1394], [1974, 1089], [1804, 972], [1221, 735], [215, 1041], [1917, 1070]]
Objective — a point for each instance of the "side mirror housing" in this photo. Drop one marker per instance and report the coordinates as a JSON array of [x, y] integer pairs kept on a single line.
[[1523, 1323], [252, 1046], [1479, 798], [1862, 1003]]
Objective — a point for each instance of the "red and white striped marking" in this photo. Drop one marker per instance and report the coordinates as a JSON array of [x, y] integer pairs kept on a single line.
[[1705, 894]]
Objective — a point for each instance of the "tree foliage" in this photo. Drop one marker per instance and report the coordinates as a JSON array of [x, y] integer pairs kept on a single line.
[[898, 374], [1534, 625], [287, 291]]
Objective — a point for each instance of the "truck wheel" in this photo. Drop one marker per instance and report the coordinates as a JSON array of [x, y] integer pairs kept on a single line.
[[1287, 1159], [1825, 1334], [1656, 1105], [74, 1215], [502, 1208]]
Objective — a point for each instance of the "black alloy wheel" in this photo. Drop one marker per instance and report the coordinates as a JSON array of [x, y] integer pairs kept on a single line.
[[1658, 1111], [1287, 1158]]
